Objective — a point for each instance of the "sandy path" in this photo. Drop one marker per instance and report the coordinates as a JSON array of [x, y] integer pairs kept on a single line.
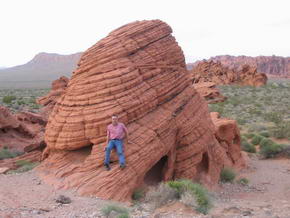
[[267, 195]]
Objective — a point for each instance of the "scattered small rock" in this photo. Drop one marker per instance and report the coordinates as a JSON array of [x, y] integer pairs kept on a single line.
[[63, 199]]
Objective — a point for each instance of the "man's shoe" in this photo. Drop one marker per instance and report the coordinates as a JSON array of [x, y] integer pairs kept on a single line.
[[107, 167], [122, 166]]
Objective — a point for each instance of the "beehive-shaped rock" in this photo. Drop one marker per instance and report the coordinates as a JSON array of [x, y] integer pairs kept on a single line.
[[138, 72]]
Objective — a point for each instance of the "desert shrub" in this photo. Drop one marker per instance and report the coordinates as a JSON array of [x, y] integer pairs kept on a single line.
[[282, 130], [6, 153], [265, 134], [266, 142], [241, 121], [227, 175], [256, 139], [138, 194], [249, 135], [8, 99], [243, 181], [24, 166], [246, 146], [121, 211], [161, 195], [200, 197], [272, 150]]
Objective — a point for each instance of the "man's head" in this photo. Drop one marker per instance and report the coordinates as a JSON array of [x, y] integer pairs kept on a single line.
[[114, 119]]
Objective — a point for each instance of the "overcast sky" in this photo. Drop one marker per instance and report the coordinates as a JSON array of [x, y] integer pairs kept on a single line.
[[203, 28]]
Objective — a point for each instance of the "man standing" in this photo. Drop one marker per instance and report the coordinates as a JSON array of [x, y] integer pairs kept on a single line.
[[116, 132]]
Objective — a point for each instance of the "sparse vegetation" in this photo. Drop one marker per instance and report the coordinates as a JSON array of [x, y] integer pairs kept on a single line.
[[227, 175], [161, 195], [121, 211], [257, 139], [19, 99], [243, 181], [7, 153], [24, 166], [8, 99], [138, 194], [199, 196], [271, 150], [246, 146]]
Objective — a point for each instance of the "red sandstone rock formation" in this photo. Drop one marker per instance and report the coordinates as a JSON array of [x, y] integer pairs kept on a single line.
[[228, 135], [138, 72], [212, 71], [57, 89], [21, 132], [273, 66], [209, 91]]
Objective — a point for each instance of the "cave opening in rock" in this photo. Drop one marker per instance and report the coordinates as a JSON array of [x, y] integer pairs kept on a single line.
[[156, 173]]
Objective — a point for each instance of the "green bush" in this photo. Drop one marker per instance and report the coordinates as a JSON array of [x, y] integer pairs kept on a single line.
[[257, 139], [265, 134], [186, 187], [246, 146], [249, 135], [6, 153], [137, 194], [243, 181], [271, 150], [227, 175], [24, 166], [121, 211], [8, 99], [266, 142]]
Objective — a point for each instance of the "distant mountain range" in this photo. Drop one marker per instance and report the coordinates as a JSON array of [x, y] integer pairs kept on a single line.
[[40, 71]]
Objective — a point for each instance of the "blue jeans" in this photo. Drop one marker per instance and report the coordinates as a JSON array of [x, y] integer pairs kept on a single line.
[[118, 144]]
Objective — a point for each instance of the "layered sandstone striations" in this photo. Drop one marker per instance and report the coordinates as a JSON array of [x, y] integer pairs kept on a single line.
[[209, 91], [273, 66], [21, 132], [57, 89], [138, 72], [215, 71]]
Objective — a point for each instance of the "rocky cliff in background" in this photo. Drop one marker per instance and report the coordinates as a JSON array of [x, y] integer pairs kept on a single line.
[[40, 71], [216, 72], [273, 66]]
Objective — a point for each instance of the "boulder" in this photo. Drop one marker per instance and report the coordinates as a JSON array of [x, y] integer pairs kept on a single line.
[[138, 72], [209, 91]]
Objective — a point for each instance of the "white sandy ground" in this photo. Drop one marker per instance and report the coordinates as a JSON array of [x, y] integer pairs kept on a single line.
[[267, 195]]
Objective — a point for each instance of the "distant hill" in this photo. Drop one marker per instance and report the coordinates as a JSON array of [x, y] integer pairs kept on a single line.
[[40, 71]]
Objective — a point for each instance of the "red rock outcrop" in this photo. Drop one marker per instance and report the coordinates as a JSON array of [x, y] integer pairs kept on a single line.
[[209, 91], [214, 71], [21, 132], [273, 66], [138, 72], [57, 89], [228, 135]]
